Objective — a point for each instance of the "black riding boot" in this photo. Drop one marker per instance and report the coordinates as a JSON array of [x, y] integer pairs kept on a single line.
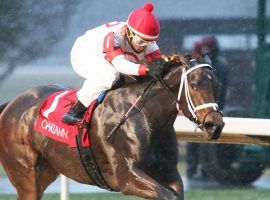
[[75, 114]]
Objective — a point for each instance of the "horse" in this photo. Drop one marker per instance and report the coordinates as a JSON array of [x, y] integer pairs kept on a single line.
[[139, 159]]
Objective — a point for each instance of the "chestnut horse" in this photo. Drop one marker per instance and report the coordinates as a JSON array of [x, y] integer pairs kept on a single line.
[[139, 159]]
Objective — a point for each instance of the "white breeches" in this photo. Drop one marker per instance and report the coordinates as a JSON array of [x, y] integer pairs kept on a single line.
[[100, 75]]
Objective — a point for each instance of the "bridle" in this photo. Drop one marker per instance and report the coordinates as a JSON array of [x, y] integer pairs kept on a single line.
[[184, 84], [184, 87]]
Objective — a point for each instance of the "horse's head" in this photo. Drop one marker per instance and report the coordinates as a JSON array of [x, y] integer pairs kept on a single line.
[[197, 94]]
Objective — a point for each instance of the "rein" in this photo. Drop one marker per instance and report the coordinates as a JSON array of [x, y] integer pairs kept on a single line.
[[183, 84]]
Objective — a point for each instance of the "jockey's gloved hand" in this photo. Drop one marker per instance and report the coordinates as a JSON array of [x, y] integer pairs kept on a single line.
[[156, 68]]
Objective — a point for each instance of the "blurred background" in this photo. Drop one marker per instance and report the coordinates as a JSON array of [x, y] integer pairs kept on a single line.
[[36, 38]]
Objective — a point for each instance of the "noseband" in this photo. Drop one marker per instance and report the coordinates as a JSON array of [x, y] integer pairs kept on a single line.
[[191, 107]]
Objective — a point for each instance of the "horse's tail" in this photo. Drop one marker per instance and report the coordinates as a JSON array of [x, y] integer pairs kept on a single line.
[[3, 106]]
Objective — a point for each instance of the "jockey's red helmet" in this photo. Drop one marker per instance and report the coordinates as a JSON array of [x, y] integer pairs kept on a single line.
[[144, 23]]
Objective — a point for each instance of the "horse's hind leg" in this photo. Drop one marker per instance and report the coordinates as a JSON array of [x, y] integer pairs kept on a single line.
[[45, 175], [28, 172]]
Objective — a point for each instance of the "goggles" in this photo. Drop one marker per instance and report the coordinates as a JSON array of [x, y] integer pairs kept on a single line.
[[139, 41]]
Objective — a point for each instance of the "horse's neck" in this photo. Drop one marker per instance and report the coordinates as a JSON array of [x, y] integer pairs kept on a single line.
[[161, 103], [158, 105]]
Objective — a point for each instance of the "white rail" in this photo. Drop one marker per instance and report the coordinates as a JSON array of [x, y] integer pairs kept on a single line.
[[237, 126], [245, 126], [64, 188]]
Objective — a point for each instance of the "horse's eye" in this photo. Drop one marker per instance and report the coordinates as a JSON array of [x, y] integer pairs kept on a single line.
[[193, 86]]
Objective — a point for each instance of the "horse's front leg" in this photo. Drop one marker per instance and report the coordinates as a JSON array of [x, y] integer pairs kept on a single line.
[[133, 181], [169, 177], [177, 184]]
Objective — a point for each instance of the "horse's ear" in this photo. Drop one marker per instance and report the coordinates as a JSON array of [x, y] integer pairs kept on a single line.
[[207, 59], [190, 55]]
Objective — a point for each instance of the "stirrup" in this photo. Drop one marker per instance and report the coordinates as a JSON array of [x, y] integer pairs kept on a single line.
[[75, 114]]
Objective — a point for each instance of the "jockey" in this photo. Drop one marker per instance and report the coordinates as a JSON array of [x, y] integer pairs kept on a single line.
[[102, 53]]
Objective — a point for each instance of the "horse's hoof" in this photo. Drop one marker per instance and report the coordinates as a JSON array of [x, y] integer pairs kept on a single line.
[[169, 195]]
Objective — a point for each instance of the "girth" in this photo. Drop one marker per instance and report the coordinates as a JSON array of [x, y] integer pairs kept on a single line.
[[89, 162]]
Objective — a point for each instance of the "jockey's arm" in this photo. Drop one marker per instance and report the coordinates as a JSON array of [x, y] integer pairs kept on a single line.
[[125, 66], [115, 55]]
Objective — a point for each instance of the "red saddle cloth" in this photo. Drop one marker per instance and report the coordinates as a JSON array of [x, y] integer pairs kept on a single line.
[[51, 112]]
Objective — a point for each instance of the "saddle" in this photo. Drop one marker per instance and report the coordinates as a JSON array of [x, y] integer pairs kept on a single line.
[[51, 112], [50, 124]]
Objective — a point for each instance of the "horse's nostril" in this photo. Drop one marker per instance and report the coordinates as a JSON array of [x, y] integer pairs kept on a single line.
[[209, 126], [213, 129]]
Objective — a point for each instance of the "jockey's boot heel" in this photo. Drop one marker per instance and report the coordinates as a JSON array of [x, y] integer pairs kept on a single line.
[[75, 114]]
